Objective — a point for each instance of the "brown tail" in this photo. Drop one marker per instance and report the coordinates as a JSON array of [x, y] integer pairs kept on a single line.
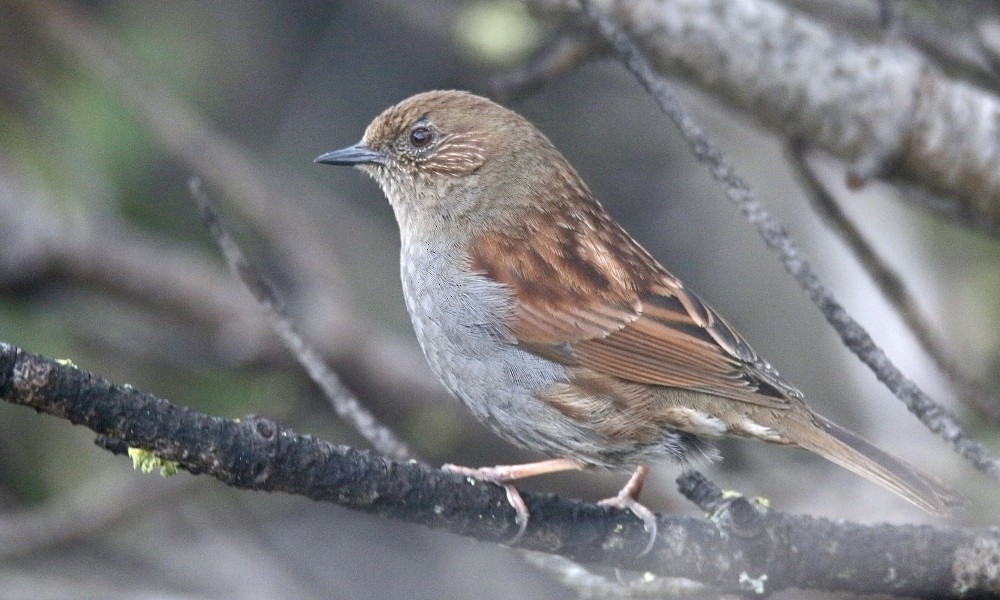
[[860, 456]]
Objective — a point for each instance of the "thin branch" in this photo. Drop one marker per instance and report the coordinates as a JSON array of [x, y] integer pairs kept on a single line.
[[262, 193], [343, 400], [935, 417], [40, 242], [892, 286], [742, 547], [560, 56]]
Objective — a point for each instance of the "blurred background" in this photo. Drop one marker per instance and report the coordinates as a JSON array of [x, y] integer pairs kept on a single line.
[[107, 109]]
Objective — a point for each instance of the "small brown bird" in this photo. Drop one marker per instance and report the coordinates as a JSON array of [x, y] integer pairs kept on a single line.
[[556, 328]]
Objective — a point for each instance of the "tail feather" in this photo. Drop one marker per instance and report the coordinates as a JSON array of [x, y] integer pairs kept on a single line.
[[860, 456]]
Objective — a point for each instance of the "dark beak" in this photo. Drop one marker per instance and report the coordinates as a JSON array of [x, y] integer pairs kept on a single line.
[[358, 154]]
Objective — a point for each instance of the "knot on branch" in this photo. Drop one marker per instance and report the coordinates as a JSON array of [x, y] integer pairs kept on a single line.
[[265, 429], [733, 513]]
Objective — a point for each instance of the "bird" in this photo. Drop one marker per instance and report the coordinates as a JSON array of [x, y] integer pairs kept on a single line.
[[558, 330]]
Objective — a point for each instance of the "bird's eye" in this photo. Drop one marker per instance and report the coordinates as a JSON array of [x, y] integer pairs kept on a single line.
[[420, 137]]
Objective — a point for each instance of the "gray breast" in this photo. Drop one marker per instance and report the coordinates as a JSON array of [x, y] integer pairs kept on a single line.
[[459, 321]]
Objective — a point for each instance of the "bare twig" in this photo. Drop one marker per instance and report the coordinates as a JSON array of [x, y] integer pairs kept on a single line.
[[39, 242], [347, 406], [935, 417], [265, 195], [560, 56], [892, 286]]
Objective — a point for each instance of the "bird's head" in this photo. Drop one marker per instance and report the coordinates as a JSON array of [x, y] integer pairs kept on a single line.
[[449, 157]]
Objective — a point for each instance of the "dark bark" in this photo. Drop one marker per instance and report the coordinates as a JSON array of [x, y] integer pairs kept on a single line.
[[742, 546]]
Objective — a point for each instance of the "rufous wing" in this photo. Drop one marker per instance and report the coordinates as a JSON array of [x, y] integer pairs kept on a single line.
[[630, 318]]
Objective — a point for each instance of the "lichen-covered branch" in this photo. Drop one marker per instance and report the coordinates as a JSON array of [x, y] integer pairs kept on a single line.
[[883, 107], [741, 547]]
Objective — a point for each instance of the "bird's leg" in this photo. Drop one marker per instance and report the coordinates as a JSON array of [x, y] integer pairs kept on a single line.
[[503, 474], [628, 498]]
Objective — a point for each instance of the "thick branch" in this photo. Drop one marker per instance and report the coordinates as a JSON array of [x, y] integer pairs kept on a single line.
[[955, 45], [882, 107], [742, 547]]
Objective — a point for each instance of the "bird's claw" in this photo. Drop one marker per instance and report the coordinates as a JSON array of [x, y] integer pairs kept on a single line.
[[625, 501], [496, 476]]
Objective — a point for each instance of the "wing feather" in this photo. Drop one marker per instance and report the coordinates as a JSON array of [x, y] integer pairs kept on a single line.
[[631, 319]]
